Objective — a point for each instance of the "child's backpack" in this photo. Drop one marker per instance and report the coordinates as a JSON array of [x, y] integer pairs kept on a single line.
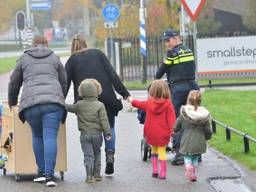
[[141, 115]]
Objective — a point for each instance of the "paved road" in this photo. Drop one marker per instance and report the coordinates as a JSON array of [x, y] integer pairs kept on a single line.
[[131, 173]]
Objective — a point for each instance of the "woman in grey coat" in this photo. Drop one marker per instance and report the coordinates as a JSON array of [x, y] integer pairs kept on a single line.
[[194, 120], [42, 105]]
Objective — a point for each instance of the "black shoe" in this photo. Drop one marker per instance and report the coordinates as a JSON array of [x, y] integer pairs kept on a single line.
[[178, 160], [51, 181], [168, 149], [109, 168], [40, 178]]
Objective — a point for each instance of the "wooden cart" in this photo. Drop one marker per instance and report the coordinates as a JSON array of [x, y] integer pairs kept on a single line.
[[16, 145]]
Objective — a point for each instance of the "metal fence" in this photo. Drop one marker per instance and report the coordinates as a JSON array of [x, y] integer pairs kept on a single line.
[[228, 130], [127, 59], [130, 58]]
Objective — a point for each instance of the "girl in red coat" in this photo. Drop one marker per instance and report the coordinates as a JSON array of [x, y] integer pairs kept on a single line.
[[158, 127]]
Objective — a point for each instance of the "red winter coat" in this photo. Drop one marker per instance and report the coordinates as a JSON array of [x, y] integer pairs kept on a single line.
[[160, 118]]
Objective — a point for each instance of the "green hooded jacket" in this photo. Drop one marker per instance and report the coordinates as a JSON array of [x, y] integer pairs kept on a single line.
[[91, 113], [196, 129]]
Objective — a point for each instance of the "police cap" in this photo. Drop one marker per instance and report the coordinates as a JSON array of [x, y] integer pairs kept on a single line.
[[168, 34]]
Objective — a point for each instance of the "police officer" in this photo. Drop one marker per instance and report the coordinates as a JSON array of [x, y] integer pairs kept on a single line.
[[179, 66]]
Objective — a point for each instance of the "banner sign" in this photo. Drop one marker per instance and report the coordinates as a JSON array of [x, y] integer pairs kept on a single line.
[[231, 54]]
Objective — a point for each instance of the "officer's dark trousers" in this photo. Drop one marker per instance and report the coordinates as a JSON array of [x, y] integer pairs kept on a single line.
[[179, 92]]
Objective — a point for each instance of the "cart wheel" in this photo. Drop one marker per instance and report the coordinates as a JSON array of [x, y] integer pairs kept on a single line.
[[4, 171], [144, 150], [149, 152], [17, 177], [62, 175]]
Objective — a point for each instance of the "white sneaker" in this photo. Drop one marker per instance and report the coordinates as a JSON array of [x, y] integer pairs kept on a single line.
[[39, 178], [50, 182]]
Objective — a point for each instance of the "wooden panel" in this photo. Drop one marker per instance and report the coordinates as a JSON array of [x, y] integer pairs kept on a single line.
[[21, 159], [7, 128]]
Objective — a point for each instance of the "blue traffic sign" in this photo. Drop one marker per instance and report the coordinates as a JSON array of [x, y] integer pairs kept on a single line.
[[111, 13], [42, 5]]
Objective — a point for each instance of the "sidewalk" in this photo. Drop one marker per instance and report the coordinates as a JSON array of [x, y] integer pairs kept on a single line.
[[131, 173]]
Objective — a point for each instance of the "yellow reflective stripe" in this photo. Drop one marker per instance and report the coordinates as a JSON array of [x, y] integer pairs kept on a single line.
[[185, 59], [171, 58], [167, 62], [177, 61], [187, 54]]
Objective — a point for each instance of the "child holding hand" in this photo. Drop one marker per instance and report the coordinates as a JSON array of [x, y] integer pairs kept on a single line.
[[158, 126]]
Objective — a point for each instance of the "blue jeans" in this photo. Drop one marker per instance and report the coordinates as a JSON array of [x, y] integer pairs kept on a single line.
[[44, 121], [112, 142]]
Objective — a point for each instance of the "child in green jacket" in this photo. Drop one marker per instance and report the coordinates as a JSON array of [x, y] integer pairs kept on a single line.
[[92, 121], [195, 122]]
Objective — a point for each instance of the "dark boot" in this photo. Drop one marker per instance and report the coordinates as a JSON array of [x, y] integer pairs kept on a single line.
[[178, 159], [200, 158], [109, 162], [89, 174]]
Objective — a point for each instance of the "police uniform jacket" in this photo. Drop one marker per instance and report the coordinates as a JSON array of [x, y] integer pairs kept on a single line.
[[179, 65]]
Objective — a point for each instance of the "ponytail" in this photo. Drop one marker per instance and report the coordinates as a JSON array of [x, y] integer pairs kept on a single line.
[[78, 44], [194, 98]]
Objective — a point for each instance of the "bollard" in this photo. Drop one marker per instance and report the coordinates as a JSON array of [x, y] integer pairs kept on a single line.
[[214, 127], [210, 83], [228, 135], [246, 144]]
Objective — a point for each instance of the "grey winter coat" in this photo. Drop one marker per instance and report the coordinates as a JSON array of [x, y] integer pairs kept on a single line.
[[196, 129], [43, 78]]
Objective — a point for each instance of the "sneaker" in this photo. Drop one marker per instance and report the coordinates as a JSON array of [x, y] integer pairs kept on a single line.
[[89, 180], [40, 178], [109, 169], [98, 178], [51, 181]]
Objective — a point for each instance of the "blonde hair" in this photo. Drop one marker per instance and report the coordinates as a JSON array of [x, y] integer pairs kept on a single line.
[[40, 40], [94, 82], [194, 98], [97, 85], [78, 44], [159, 89]]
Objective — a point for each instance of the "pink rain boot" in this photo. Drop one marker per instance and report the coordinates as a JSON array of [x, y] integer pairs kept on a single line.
[[154, 161], [163, 169], [193, 174], [188, 172]]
